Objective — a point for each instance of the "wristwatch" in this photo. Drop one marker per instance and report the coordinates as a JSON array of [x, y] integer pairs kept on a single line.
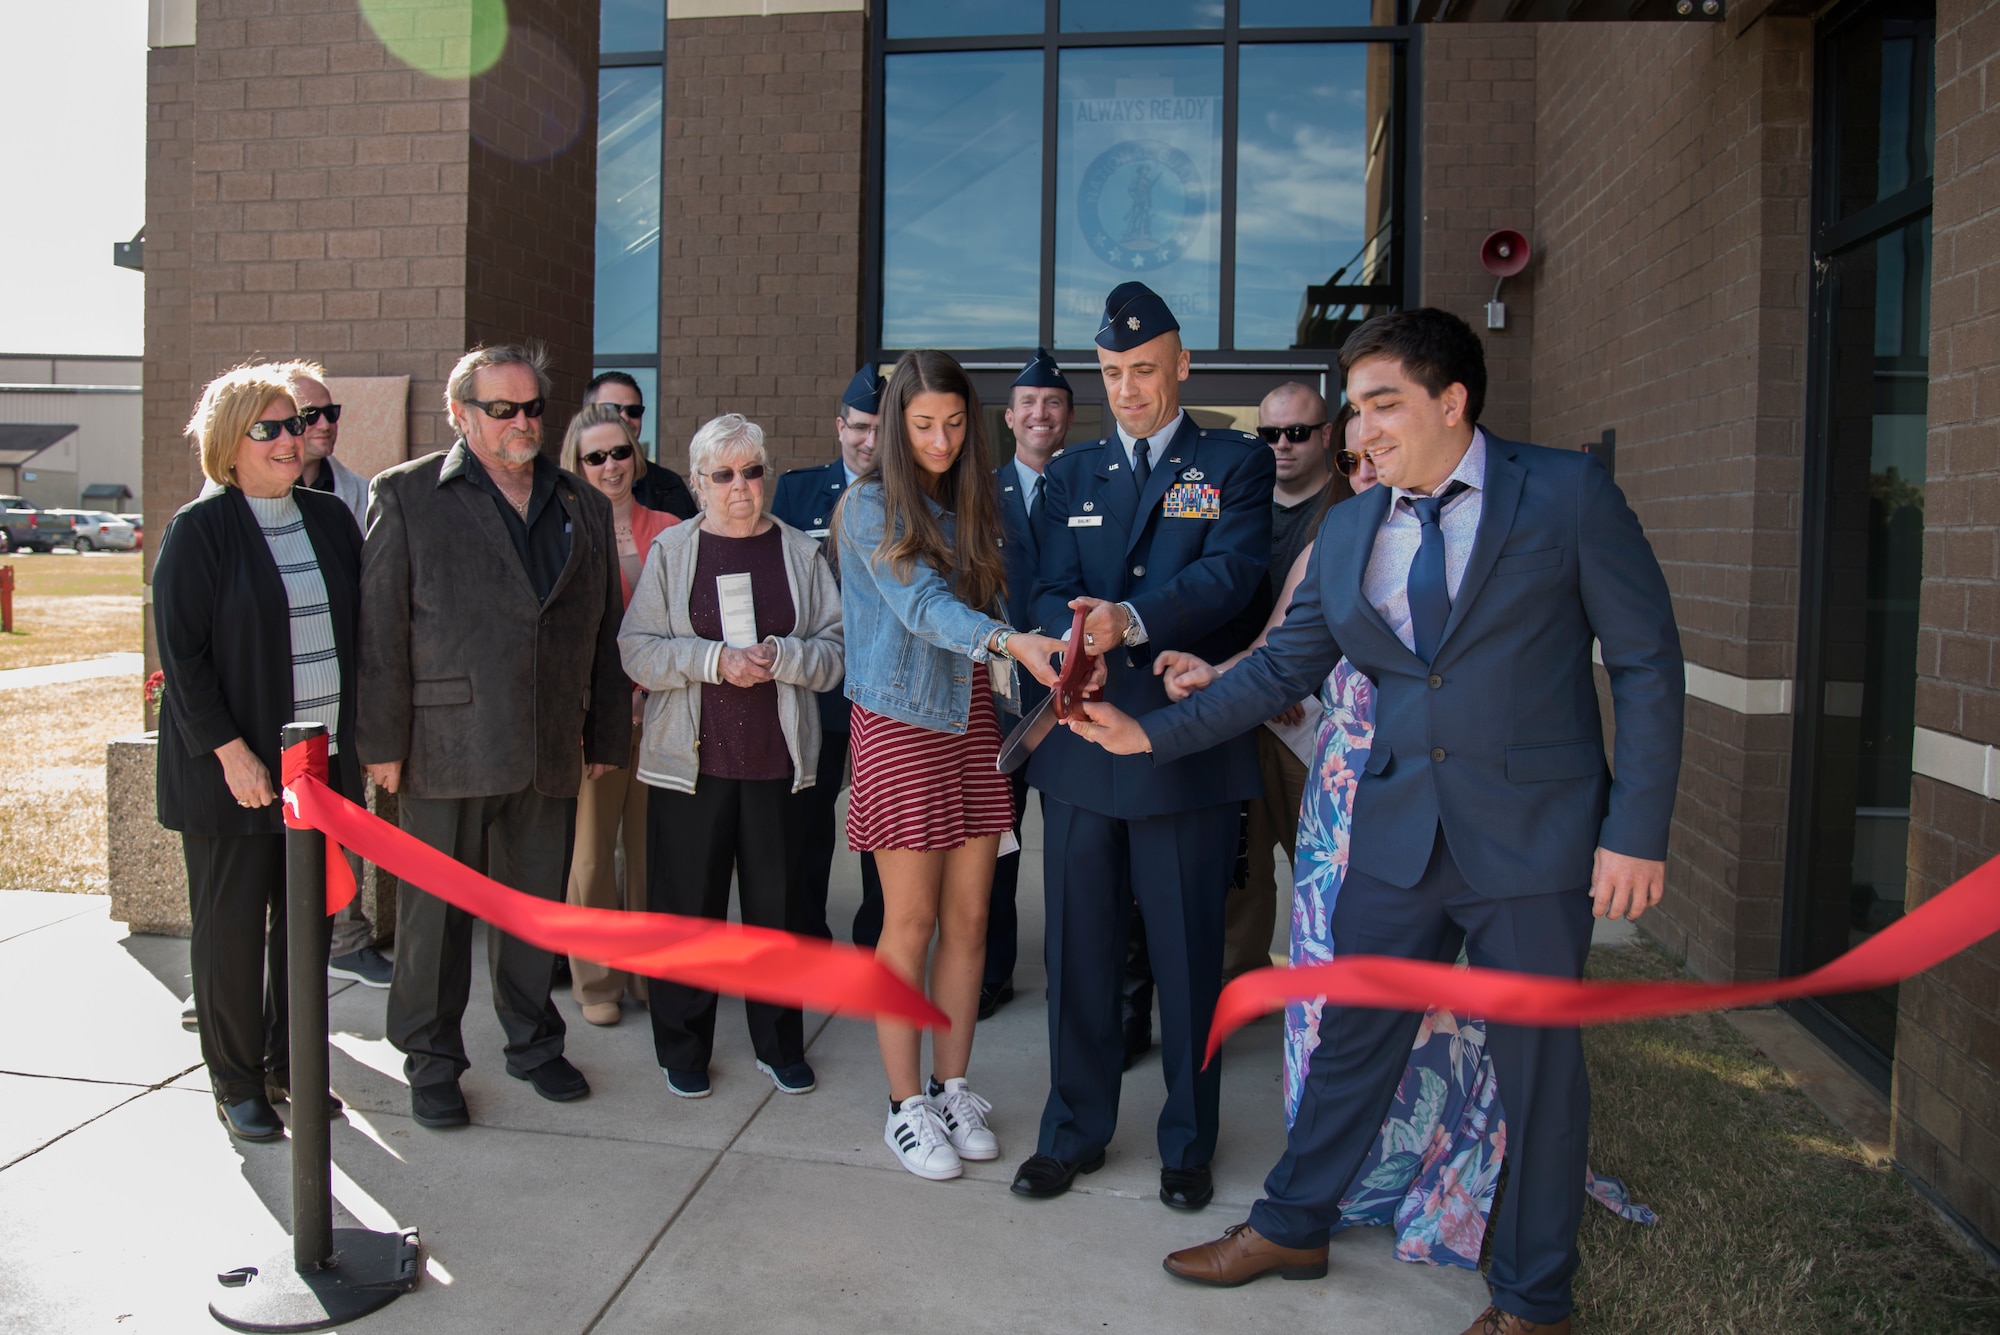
[[1135, 634]]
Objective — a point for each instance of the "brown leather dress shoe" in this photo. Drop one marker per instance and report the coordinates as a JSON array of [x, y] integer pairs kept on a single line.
[[1493, 1321], [1240, 1255]]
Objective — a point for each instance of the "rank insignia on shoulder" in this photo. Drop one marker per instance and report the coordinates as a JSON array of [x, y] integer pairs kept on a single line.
[[1192, 500]]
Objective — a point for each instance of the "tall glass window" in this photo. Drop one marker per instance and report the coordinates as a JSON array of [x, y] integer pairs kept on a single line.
[[1139, 185], [628, 210], [1865, 485], [962, 199], [1244, 158]]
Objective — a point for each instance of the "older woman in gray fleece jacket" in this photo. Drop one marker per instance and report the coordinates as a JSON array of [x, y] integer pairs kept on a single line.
[[734, 628]]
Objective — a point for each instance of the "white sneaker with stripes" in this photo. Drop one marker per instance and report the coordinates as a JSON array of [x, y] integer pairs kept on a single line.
[[964, 1115], [918, 1137]]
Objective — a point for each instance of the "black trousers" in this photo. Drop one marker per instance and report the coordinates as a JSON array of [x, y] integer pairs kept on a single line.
[[236, 901], [1363, 1053], [819, 836], [520, 840], [694, 841]]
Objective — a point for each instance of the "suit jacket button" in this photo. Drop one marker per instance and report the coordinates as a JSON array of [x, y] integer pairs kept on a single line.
[[1437, 753], [1436, 681], [1138, 572]]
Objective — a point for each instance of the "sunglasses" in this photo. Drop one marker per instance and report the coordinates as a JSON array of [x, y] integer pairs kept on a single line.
[[598, 458], [269, 428], [635, 411], [1347, 461], [503, 409], [1294, 433], [330, 411], [722, 477]]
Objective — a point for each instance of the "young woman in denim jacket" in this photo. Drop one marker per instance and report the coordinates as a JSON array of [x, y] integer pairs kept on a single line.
[[921, 572]]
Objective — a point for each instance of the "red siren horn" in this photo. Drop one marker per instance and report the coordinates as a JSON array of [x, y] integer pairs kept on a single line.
[[1503, 254]]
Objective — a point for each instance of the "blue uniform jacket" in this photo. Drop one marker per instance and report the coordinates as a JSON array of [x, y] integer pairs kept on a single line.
[[1191, 575], [1024, 557], [1499, 739], [805, 500]]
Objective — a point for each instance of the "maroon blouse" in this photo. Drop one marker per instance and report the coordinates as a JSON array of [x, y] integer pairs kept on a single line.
[[740, 735]]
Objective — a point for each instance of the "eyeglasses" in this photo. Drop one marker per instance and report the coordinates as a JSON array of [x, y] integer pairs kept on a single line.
[[269, 428], [330, 411], [722, 477], [1347, 461], [503, 409], [1294, 433], [635, 411], [598, 458]]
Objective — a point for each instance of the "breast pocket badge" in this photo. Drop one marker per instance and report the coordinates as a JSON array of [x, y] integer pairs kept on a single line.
[[1192, 500]]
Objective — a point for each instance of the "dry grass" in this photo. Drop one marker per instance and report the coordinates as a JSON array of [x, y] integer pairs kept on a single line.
[[1770, 1222], [52, 780], [68, 607]]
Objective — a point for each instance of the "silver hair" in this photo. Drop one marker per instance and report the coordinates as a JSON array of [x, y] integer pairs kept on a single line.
[[458, 387], [730, 433]]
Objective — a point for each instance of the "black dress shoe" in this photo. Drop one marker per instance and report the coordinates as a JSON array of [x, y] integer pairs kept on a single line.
[[1042, 1177], [992, 999], [277, 1093], [1186, 1188], [555, 1080], [438, 1106], [250, 1119]]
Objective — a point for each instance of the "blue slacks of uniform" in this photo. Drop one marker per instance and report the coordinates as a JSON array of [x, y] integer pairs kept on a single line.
[[1178, 868], [1362, 1054]]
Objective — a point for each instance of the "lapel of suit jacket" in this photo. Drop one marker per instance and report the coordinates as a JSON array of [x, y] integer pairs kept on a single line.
[[1179, 453], [1497, 508], [1375, 504], [829, 493], [579, 534], [1115, 491], [1015, 505], [484, 519]]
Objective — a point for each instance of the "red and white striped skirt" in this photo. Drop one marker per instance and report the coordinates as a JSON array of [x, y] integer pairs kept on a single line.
[[923, 790]]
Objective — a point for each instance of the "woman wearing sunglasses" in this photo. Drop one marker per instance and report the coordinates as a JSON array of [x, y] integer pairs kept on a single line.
[[734, 627], [254, 611], [600, 447], [924, 590]]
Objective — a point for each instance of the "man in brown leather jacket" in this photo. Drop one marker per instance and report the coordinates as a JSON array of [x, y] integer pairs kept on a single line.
[[490, 678]]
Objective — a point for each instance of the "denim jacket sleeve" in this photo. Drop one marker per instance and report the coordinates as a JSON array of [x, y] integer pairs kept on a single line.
[[924, 604]]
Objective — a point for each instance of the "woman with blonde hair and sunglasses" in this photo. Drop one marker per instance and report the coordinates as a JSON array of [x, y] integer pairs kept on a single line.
[[599, 447], [255, 598]]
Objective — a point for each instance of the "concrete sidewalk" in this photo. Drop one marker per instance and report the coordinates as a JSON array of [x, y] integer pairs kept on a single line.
[[121, 1196]]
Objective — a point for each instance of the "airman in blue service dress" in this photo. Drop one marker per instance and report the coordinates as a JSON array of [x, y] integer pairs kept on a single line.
[[1178, 530], [805, 500]]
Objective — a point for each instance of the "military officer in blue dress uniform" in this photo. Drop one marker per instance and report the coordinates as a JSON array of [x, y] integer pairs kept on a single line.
[[1162, 531], [805, 500], [1040, 407]]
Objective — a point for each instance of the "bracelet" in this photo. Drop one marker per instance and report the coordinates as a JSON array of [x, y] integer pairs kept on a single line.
[[1000, 643]]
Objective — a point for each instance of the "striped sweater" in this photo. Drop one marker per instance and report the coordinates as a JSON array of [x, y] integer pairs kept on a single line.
[[315, 668]]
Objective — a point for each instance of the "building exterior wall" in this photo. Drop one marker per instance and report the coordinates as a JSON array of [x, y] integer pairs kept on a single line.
[[1948, 1031], [171, 476], [760, 257], [1671, 207], [105, 447]]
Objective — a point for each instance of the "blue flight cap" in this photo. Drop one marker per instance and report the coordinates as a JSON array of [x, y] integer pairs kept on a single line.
[[1134, 314], [864, 392], [1041, 372]]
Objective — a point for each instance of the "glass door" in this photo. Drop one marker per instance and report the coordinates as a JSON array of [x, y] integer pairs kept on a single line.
[[1864, 507]]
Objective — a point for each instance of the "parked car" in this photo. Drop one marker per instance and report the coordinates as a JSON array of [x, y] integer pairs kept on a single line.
[[32, 529], [138, 523], [99, 528]]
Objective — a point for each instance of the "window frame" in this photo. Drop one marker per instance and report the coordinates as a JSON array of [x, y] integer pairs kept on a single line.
[[620, 359], [1403, 38]]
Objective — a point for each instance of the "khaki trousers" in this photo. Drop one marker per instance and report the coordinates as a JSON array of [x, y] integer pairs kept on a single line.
[[1250, 914], [610, 812]]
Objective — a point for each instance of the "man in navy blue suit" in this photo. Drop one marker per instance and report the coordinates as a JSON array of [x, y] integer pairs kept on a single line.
[[1040, 408], [805, 500], [1161, 532], [1469, 588]]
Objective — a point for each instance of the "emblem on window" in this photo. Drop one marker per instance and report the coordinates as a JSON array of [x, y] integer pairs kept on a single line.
[[1141, 205]]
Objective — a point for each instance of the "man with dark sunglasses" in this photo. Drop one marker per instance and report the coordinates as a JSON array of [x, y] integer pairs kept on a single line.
[[659, 487], [490, 685]]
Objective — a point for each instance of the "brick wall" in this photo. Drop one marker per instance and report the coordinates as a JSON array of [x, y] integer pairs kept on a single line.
[[1478, 170], [170, 473], [1948, 1033], [760, 257], [1670, 291]]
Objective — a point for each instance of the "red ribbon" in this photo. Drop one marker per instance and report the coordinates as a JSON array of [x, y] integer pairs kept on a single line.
[[755, 962], [1967, 912]]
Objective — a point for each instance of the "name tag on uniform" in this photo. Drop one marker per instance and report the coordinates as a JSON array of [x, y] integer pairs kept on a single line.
[[1086, 521], [819, 533], [1192, 500]]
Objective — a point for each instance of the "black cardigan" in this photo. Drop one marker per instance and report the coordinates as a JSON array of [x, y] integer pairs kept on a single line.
[[223, 627]]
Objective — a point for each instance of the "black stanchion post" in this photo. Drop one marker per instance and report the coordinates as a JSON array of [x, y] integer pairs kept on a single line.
[[333, 1275]]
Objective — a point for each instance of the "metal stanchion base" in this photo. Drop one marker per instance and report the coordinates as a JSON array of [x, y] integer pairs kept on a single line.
[[370, 1270]]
